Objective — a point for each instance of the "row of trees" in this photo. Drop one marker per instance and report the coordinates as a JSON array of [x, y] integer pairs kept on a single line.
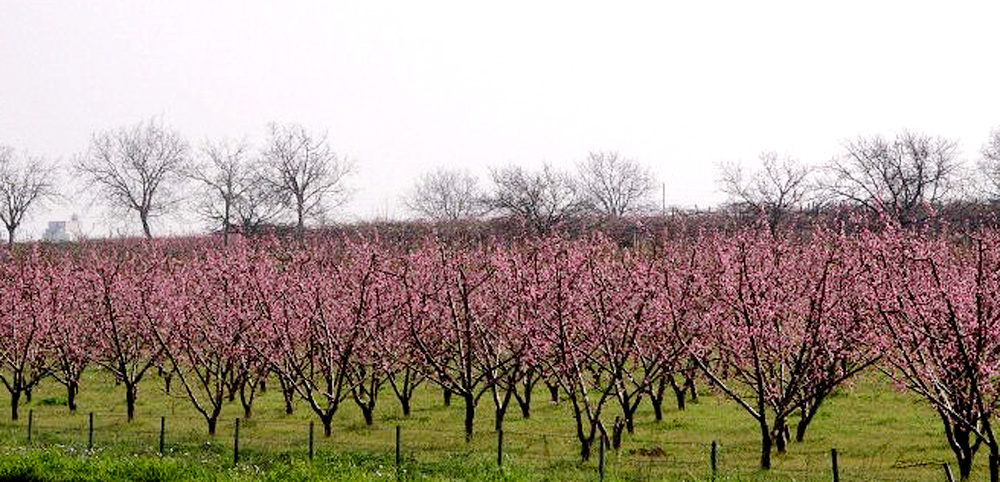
[[606, 184], [775, 321], [147, 170], [904, 179]]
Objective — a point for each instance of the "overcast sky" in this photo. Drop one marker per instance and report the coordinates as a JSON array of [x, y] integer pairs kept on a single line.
[[404, 86]]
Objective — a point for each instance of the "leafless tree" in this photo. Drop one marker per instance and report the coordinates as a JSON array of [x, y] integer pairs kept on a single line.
[[304, 173], [138, 169], [446, 195], [781, 186], [542, 198], [990, 163], [613, 185], [898, 178], [233, 192], [25, 182]]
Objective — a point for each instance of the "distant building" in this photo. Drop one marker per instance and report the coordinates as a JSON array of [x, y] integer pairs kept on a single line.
[[61, 231]]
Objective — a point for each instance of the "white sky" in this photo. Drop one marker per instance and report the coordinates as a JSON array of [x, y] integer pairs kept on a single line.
[[405, 86]]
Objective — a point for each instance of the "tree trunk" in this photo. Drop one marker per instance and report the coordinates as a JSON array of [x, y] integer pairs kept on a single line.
[[300, 226], [288, 392], [447, 397], [404, 401], [327, 421], [800, 428], [680, 392], [994, 464], [71, 388], [964, 468], [144, 218], [27, 394], [689, 382], [628, 410], [212, 421], [225, 221], [470, 414], [525, 405], [15, 398], [130, 395], [553, 391], [10, 235], [246, 401], [524, 401], [656, 398], [616, 433], [765, 446], [780, 435]]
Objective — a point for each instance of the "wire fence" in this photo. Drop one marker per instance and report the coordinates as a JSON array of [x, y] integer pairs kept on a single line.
[[254, 441]]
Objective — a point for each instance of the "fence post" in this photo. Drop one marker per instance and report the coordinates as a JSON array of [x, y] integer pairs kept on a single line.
[[833, 461], [163, 432], [500, 448], [311, 423], [31, 419], [600, 460], [90, 431], [236, 443], [947, 473], [714, 458], [398, 454]]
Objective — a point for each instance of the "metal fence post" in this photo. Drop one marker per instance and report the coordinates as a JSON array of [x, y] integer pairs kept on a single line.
[[236, 443], [163, 432], [90, 431], [398, 454], [833, 460], [715, 458], [31, 419]]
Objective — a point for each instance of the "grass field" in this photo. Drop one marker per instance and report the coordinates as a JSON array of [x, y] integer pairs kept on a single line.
[[879, 433]]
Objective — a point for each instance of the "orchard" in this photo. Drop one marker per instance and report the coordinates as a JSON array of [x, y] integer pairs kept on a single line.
[[775, 320]]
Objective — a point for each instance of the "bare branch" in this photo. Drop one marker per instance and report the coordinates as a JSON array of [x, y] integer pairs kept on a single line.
[[137, 169], [897, 178], [26, 181], [613, 185], [446, 195], [304, 173], [233, 194], [989, 165], [543, 199], [778, 188]]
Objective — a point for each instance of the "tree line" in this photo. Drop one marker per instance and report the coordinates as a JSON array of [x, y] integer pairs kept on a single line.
[[776, 321], [147, 170]]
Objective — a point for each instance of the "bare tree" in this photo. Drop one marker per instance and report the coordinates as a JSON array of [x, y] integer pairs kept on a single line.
[[137, 169], [781, 186], [990, 163], [898, 177], [256, 205], [543, 198], [25, 182], [446, 195], [233, 192], [613, 185], [304, 173]]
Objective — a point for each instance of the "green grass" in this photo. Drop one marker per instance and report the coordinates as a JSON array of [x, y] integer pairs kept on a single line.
[[879, 433]]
